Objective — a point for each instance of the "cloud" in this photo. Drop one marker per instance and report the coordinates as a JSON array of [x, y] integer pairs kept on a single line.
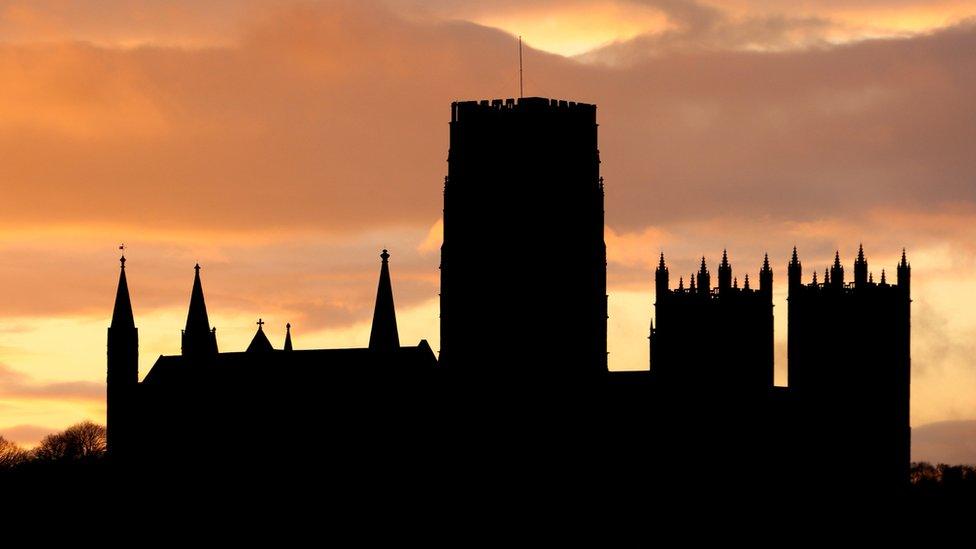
[[951, 442], [20, 386], [26, 435]]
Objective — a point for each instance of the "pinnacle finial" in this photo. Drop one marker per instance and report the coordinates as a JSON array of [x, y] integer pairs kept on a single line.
[[197, 268], [661, 263], [703, 267], [747, 281], [837, 258], [766, 261], [725, 258], [385, 256], [860, 252], [904, 258], [681, 283], [796, 258], [883, 280], [871, 278], [735, 281]]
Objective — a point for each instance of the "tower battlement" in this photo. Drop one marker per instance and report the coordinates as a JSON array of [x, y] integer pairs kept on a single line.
[[485, 107]]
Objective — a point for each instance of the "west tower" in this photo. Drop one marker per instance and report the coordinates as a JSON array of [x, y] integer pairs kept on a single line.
[[123, 372], [523, 262]]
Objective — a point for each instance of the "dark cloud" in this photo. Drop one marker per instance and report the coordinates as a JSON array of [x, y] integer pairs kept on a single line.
[[951, 442]]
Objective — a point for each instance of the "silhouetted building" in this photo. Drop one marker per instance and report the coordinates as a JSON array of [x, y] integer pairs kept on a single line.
[[714, 338], [522, 388], [217, 401], [523, 262], [849, 352]]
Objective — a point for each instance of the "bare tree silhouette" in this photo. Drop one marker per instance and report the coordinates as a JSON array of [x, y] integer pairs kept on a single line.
[[84, 441], [11, 455]]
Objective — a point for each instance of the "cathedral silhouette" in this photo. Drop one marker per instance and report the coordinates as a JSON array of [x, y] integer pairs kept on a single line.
[[521, 388]]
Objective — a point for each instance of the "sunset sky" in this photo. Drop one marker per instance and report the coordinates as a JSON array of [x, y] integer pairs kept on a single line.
[[283, 144]]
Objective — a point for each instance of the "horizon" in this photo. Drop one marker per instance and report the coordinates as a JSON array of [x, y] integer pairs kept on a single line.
[[282, 147]]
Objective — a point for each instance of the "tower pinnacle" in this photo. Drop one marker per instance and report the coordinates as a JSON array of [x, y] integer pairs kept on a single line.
[[383, 335]]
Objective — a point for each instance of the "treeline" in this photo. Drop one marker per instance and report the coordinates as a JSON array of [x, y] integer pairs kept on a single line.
[[80, 444], [942, 479]]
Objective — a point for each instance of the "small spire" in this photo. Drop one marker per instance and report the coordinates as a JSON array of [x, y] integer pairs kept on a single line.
[[384, 335], [837, 259], [814, 278], [725, 258], [704, 269], [766, 262], [691, 284], [884, 282], [871, 278], [826, 276], [288, 346], [661, 265], [735, 281], [796, 258], [747, 281], [681, 283], [904, 259], [860, 253]]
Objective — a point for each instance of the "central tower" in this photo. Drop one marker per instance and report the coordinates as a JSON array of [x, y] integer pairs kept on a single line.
[[523, 262]]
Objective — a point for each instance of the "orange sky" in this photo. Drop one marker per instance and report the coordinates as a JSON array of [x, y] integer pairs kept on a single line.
[[282, 145]]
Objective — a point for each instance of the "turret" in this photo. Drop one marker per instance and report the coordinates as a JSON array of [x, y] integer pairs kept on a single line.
[[724, 274], [766, 277], [384, 336], [860, 269], [837, 272], [795, 271], [199, 341], [904, 274], [704, 279], [122, 378], [661, 278]]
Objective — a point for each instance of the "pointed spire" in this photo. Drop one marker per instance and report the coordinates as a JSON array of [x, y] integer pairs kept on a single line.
[[815, 278], [860, 252], [383, 335], [725, 258], [796, 259], [661, 264], [691, 284], [122, 314], [884, 281], [826, 276], [260, 342], [766, 262], [747, 281], [288, 346], [198, 339], [197, 319], [704, 269], [904, 259], [837, 259], [681, 283], [871, 278], [735, 281]]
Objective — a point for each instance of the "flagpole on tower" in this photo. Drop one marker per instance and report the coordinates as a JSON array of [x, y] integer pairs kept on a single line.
[[520, 67]]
